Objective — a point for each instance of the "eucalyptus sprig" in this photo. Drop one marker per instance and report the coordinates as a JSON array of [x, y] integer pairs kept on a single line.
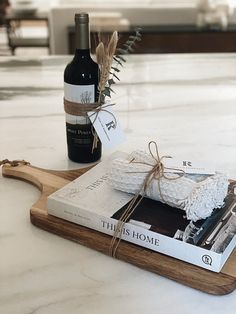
[[110, 59]]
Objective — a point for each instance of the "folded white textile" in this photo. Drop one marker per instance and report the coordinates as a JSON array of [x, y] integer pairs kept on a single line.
[[196, 194]]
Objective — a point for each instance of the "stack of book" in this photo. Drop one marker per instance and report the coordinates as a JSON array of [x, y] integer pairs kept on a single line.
[[91, 202]]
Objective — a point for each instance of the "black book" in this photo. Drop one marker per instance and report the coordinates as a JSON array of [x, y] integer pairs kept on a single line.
[[171, 221]]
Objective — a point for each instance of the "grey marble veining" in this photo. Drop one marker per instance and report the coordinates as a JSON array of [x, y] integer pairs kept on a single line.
[[187, 103]]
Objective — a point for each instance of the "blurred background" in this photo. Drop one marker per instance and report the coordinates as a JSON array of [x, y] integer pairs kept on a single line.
[[42, 27]]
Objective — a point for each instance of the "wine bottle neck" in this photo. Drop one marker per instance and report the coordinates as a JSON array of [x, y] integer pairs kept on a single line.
[[82, 40], [82, 53]]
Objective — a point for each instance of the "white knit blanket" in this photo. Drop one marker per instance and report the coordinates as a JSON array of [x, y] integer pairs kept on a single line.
[[196, 194]]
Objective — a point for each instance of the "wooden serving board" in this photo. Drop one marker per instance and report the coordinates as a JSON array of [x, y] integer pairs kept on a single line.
[[49, 181]]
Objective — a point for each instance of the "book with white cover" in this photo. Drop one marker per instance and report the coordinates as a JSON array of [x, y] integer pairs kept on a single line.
[[90, 201]]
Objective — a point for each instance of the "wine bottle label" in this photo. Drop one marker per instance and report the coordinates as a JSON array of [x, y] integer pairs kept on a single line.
[[79, 135], [81, 94]]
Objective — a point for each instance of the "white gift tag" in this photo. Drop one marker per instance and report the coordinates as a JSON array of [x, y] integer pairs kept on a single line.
[[191, 167], [107, 126]]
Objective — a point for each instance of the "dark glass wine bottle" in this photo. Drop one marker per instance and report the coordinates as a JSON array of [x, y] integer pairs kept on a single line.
[[81, 78]]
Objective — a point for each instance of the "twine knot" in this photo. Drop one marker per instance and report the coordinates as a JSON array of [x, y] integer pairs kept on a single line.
[[157, 172]]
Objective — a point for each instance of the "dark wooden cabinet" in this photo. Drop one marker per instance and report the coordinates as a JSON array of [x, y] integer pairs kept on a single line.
[[173, 39], [15, 38]]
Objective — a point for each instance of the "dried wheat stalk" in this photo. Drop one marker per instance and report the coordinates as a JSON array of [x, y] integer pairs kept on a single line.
[[105, 54]]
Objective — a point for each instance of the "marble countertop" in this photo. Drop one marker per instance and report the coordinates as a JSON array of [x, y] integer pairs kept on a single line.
[[187, 103]]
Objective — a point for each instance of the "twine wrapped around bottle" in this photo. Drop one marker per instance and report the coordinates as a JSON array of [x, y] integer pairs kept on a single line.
[[82, 109], [144, 174]]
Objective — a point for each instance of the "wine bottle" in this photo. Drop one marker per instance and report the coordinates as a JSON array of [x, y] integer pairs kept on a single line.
[[81, 78]]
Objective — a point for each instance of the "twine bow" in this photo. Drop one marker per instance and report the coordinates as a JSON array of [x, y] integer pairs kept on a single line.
[[157, 172], [103, 108], [96, 113]]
